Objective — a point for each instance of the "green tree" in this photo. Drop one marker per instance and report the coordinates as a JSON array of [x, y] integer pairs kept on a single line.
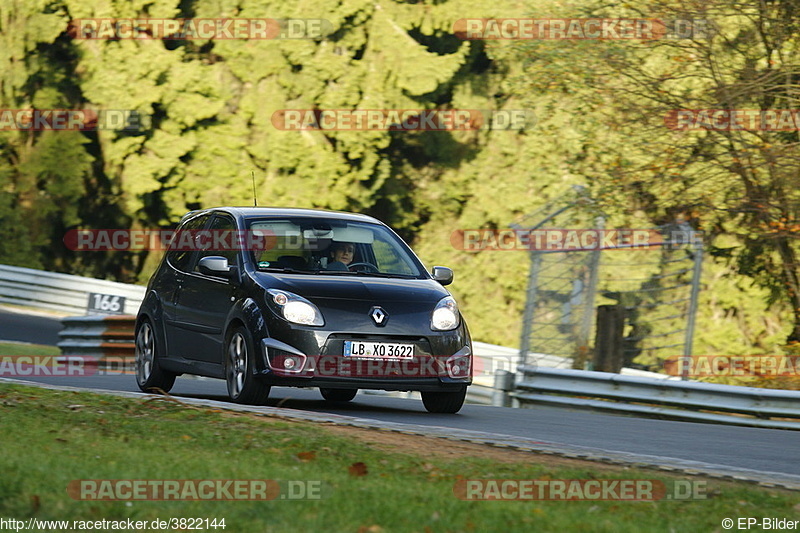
[[43, 175], [739, 187]]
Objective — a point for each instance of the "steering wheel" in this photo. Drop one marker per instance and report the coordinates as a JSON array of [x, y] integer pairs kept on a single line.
[[370, 266]]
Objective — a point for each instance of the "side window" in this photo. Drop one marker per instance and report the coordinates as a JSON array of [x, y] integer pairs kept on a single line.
[[221, 240], [182, 255]]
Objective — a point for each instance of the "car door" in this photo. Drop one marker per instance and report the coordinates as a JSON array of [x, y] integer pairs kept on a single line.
[[205, 300], [179, 261]]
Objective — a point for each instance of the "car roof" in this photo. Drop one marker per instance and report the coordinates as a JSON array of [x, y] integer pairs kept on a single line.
[[255, 212]]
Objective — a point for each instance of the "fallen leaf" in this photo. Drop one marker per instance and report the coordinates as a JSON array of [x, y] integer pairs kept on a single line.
[[357, 469], [35, 503], [371, 529], [307, 456]]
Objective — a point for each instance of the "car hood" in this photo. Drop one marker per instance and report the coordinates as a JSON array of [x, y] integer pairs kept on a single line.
[[338, 287]]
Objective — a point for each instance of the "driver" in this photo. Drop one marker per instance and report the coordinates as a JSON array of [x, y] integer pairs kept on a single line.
[[341, 255]]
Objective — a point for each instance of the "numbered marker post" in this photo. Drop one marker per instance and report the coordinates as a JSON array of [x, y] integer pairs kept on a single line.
[[105, 304]]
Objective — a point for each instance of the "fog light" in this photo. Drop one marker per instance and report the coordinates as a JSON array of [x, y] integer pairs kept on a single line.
[[458, 367], [289, 363]]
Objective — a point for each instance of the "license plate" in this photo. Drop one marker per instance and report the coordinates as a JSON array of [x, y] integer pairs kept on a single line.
[[381, 350]]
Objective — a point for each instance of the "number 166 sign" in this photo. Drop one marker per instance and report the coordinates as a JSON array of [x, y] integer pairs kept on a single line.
[[107, 304]]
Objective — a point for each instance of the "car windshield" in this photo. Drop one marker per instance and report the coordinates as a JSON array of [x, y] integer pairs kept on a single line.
[[331, 247]]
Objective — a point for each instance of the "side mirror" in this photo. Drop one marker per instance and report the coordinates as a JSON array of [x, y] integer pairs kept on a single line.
[[443, 275], [214, 265]]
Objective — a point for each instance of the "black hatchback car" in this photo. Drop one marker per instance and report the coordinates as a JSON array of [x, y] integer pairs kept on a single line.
[[301, 298]]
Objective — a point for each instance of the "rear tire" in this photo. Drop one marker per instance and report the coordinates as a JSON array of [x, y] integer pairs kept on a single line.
[[243, 387], [444, 402], [149, 375], [338, 395]]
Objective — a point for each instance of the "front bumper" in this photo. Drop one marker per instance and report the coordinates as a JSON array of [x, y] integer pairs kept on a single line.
[[286, 365]]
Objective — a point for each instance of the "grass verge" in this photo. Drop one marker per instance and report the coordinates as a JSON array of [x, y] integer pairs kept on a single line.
[[19, 348], [371, 481]]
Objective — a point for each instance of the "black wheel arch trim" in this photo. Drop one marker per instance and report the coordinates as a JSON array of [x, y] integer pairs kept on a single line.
[[151, 310], [251, 315]]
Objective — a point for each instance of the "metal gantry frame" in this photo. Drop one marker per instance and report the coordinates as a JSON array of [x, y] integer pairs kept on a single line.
[[691, 244]]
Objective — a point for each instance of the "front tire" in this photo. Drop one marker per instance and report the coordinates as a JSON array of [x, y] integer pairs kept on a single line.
[[338, 395], [444, 402], [243, 387], [149, 375]]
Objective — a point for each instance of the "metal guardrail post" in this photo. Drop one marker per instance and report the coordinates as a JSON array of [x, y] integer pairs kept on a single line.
[[608, 339], [586, 324], [693, 299], [530, 307], [503, 384]]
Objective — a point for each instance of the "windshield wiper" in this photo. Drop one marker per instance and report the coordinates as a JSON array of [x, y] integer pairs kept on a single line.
[[383, 274], [364, 273], [288, 270]]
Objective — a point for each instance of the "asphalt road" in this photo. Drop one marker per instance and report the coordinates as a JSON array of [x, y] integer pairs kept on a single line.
[[15, 326], [764, 450]]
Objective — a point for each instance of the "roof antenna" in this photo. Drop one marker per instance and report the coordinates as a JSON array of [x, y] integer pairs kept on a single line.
[[255, 201]]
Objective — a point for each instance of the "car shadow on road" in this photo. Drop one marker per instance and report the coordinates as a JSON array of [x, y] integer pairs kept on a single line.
[[359, 405]]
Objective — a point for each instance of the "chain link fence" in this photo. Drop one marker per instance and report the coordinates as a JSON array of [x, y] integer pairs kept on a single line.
[[653, 288]]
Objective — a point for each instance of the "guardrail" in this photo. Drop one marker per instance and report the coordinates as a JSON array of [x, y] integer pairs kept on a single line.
[[676, 400], [105, 341], [61, 292]]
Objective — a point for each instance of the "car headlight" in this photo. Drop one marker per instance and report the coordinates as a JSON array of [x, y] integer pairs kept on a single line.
[[445, 315], [294, 308]]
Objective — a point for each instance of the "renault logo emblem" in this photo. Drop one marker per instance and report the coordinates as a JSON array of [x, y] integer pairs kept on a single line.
[[378, 316]]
